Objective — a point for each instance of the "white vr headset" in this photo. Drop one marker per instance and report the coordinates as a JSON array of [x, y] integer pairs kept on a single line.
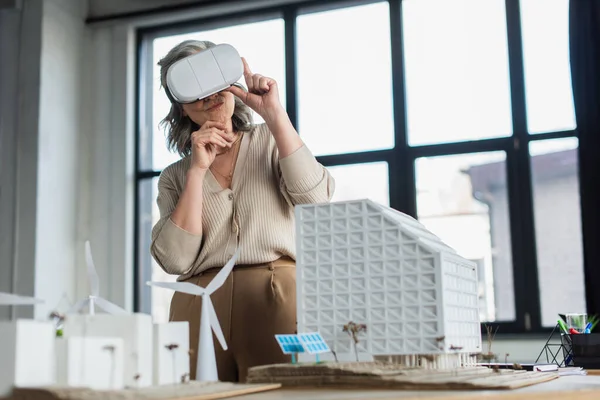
[[203, 74]]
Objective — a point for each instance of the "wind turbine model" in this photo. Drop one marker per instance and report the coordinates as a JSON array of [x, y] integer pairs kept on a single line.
[[206, 369], [94, 298]]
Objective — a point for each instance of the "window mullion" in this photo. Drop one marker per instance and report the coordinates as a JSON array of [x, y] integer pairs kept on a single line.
[[403, 196], [142, 300], [527, 298], [289, 17]]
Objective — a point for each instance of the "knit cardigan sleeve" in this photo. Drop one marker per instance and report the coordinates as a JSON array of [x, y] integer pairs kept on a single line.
[[174, 249], [303, 179]]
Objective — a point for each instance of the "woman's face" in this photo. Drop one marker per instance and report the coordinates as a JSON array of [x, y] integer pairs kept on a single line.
[[217, 107]]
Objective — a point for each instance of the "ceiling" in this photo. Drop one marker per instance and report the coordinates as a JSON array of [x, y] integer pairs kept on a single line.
[[104, 9]]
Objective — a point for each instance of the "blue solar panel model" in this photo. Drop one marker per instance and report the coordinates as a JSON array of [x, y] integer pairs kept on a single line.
[[290, 344], [314, 343]]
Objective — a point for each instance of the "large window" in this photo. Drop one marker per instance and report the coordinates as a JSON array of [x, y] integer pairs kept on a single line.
[[458, 112]]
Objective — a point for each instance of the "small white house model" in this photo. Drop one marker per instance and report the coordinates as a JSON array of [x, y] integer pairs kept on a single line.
[[92, 362], [366, 263], [26, 349], [136, 332], [171, 352], [134, 351]]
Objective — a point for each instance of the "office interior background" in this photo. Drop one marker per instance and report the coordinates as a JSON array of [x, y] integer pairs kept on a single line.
[[478, 117]]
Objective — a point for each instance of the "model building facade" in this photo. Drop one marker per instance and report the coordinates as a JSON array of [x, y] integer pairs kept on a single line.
[[362, 262]]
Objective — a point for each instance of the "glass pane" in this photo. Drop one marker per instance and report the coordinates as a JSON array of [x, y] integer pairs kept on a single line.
[[456, 63], [361, 181], [549, 95], [344, 80], [268, 59], [557, 214], [463, 199], [154, 301]]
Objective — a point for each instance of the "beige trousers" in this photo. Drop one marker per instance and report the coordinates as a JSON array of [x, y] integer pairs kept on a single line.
[[255, 303]]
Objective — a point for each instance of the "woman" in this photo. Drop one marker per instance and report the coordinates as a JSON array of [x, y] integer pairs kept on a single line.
[[236, 185]]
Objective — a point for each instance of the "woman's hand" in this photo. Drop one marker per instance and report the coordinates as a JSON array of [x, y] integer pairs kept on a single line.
[[208, 141], [262, 95]]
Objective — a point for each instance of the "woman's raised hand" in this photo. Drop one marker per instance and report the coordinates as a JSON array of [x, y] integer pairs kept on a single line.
[[262, 95], [208, 141]]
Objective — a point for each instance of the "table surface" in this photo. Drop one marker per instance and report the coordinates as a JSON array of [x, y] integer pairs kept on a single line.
[[588, 385]]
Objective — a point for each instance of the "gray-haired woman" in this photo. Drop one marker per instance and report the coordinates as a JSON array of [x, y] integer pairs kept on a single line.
[[235, 186]]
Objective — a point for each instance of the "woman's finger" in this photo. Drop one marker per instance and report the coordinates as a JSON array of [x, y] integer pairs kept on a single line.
[[256, 82], [217, 140], [247, 71], [228, 136], [209, 137], [239, 92], [249, 78], [263, 83], [218, 136], [205, 134]]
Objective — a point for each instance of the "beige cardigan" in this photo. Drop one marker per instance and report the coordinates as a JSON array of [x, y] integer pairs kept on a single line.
[[259, 208]]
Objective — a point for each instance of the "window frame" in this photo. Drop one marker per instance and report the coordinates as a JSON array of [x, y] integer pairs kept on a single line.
[[401, 159]]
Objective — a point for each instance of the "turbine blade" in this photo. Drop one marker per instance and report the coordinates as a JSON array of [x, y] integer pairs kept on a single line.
[[219, 280], [184, 287], [78, 306], [214, 322], [9, 299], [91, 270], [109, 307]]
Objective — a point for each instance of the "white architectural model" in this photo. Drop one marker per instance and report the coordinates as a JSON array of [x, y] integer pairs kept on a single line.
[[93, 362], [171, 352], [362, 262], [107, 351], [136, 332], [26, 349]]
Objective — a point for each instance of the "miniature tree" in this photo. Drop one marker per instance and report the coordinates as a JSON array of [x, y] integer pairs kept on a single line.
[[58, 319], [172, 347], [137, 376], [516, 366], [111, 350], [354, 330], [489, 356], [334, 355]]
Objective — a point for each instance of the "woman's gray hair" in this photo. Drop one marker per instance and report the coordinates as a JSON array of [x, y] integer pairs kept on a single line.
[[179, 127]]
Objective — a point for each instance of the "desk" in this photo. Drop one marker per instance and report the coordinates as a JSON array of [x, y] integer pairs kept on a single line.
[[557, 389]]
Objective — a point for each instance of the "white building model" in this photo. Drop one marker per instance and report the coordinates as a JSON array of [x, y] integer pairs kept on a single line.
[[366, 263]]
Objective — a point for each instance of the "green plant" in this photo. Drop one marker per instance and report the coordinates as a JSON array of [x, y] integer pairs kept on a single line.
[[594, 319]]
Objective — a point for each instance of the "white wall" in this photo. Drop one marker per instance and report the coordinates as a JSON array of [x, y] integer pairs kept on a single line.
[[9, 52], [64, 37], [521, 348], [41, 99], [108, 142], [19, 82]]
